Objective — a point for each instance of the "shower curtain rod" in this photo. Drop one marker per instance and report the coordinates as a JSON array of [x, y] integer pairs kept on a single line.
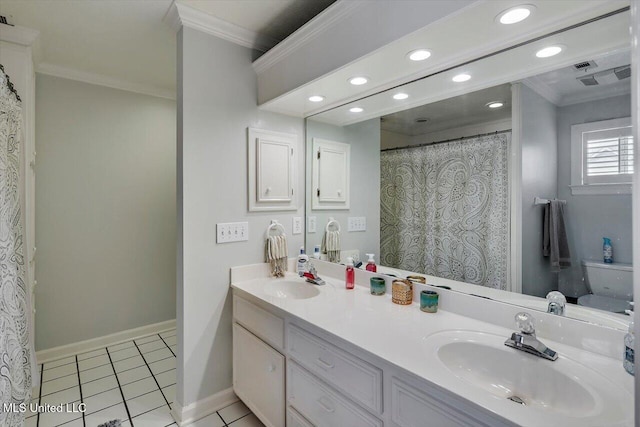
[[447, 140]]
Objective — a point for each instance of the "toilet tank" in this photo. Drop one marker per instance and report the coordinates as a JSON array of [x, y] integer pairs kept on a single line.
[[609, 280]]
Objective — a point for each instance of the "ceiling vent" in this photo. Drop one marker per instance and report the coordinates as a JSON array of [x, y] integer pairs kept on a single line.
[[605, 77], [585, 65]]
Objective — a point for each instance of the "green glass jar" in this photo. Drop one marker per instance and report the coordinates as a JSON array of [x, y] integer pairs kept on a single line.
[[378, 286], [429, 301]]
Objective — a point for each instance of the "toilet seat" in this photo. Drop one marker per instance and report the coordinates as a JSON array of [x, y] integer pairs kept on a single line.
[[604, 303]]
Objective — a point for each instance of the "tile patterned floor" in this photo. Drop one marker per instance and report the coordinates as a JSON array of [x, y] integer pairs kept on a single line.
[[133, 381]]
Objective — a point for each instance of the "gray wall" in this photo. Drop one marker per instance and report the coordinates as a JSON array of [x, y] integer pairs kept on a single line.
[[539, 179], [216, 104], [364, 138], [591, 217], [105, 218]]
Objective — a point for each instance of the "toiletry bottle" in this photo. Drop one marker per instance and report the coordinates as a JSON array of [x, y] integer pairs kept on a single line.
[[628, 360], [350, 274], [316, 251], [371, 264], [607, 250], [302, 262]]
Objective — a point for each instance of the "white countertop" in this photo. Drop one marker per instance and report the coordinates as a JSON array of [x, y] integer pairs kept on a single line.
[[400, 336]]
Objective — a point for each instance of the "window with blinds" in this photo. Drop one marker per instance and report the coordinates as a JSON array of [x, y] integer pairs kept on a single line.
[[607, 156]]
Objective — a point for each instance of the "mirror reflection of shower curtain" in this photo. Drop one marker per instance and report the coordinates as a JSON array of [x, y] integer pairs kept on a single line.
[[445, 209], [15, 346]]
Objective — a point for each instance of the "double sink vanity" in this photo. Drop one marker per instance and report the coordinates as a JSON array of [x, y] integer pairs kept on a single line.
[[308, 355]]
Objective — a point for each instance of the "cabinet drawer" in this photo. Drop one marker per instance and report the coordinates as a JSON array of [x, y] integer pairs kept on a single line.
[[353, 376], [259, 321], [258, 376], [294, 419], [321, 405]]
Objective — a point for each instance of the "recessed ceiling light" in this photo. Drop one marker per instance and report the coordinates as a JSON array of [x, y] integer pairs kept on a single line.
[[419, 54], [495, 104], [400, 96], [515, 14], [549, 51], [461, 78], [359, 80], [356, 110], [316, 98]]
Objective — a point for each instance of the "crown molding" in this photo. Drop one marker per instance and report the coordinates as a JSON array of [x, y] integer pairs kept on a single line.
[[601, 92], [19, 35], [542, 89], [102, 80], [312, 29], [180, 14]]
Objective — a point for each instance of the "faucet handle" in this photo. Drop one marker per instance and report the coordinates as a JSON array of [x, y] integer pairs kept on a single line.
[[557, 303], [525, 322]]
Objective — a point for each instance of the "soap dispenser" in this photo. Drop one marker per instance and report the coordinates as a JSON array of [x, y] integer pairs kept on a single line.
[[629, 356], [607, 250], [303, 258], [350, 274], [371, 264]]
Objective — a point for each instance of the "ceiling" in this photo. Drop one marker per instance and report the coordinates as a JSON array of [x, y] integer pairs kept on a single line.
[[126, 42]]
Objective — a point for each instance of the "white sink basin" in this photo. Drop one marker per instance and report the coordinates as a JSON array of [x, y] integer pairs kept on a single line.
[[563, 390], [291, 289]]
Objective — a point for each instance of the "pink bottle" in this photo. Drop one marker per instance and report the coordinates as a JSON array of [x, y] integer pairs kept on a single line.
[[350, 274], [371, 264]]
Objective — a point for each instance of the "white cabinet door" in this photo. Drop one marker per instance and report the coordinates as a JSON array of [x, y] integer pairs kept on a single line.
[[259, 377], [330, 174]]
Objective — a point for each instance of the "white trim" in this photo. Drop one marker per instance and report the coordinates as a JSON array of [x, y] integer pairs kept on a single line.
[[19, 35], [184, 415], [601, 92], [60, 352], [103, 80], [602, 189], [312, 29], [180, 14], [542, 89], [515, 192]]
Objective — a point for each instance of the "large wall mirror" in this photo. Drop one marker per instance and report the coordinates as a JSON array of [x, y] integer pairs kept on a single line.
[[500, 177]]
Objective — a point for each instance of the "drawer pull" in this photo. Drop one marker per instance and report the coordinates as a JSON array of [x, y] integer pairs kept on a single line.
[[325, 364], [325, 406]]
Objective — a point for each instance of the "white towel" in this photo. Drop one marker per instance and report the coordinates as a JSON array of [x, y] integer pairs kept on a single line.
[[276, 254], [331, 245]]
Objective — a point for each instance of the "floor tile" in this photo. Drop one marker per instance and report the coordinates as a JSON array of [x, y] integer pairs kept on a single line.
[[163, 365], [59, 372], [167, 334], [89, 354], [166, 378], [156, 355], [116, 412], [103, 400], [99, 386], [156, 418], [51, 419], [31, 422], [130, 363], [174, 348], [93, 362], [170, 340], [169, 393], [64, 396], [138, 388], [145, 403], [31, 413], [121, 346], [96, 373], [212, 420], [49, 387], [247, 421], [233, 412], [132, 375], [150, 346], [124, 354], [147, 339], [59, 362], [76, 423]]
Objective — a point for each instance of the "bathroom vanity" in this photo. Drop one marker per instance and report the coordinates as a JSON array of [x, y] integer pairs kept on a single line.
[[307, 355]]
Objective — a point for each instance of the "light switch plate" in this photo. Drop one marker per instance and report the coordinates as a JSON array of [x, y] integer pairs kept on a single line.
[[311, 224], [297, 225], [357, 223], [232, 232]]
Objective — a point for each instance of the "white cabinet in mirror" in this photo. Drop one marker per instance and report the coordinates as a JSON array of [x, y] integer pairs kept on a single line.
[[448, 185]]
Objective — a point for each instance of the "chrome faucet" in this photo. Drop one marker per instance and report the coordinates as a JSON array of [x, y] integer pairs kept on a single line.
[[312, 275], [526, 340], [557, 302]]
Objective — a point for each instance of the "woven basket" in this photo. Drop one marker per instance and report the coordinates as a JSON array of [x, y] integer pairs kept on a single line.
[[402, 292]]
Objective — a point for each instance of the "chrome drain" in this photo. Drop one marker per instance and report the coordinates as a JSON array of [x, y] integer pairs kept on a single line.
[[517, 400]]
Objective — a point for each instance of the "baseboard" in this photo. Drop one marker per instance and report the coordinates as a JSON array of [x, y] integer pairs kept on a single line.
[[54, 353], [200, 409]]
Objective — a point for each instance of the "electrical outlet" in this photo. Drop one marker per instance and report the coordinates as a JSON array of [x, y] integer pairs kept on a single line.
[[297, 225], [311, 224], [232, 232], [357, 223]]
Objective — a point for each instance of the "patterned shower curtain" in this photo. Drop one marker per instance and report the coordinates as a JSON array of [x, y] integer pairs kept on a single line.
[[445, 210], [15, 349]]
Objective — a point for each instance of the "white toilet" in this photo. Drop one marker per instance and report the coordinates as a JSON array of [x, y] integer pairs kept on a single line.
[[611, 286]]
